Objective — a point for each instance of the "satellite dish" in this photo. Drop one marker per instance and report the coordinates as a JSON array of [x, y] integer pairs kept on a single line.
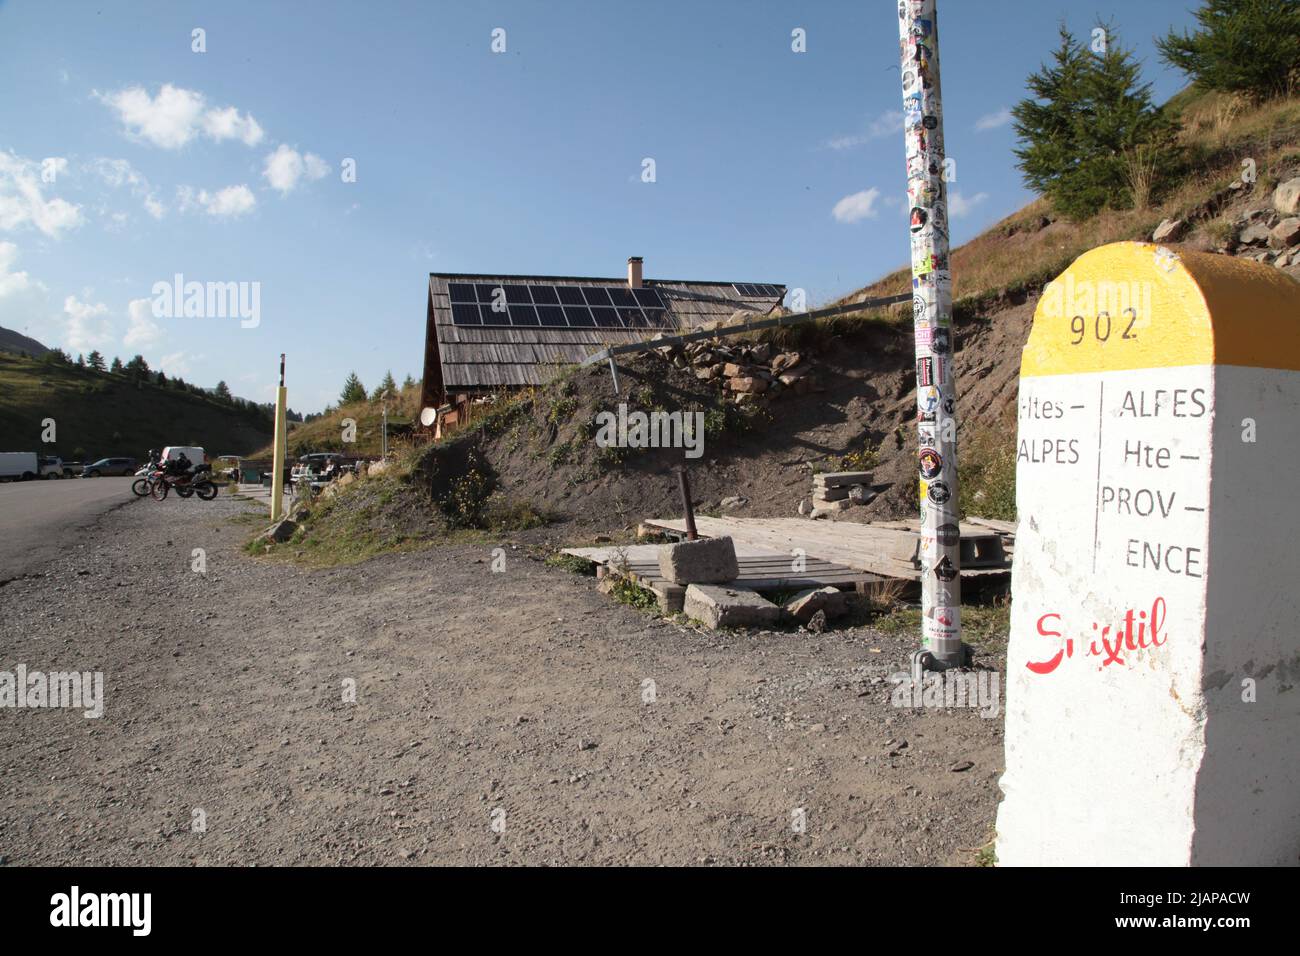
[[428, 416]]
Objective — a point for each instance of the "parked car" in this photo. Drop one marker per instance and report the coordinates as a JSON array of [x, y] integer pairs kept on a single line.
[[54, 467], [109, 466], [19, 465]]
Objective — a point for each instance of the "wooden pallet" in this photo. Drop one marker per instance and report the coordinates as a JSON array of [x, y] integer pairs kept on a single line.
[[888, 549]]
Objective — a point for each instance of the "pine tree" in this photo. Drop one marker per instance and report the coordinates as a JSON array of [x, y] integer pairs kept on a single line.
[[1087, 115], [408, 383], [1249, 47], [353, 391], [95, 361], [386, 388], [117, 367], [222, 391], [138, 369]]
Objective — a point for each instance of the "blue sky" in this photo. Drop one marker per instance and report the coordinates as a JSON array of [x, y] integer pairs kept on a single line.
[[226, 166]]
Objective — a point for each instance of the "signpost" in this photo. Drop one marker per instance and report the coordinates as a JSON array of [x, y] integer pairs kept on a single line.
[[932, 320], [1151, 712]]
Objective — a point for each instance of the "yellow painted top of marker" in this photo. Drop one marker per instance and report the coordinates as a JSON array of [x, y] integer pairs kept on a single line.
[[1131, 305]]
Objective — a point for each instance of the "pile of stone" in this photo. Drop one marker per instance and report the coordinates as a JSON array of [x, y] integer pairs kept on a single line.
[[747, 371], [699, 581], [837, 491], [1270, 233]]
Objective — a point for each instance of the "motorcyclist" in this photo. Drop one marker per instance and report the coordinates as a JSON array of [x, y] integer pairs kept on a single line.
[[178, 466]]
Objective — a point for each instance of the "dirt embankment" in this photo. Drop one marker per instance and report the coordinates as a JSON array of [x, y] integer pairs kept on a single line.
[[545, 451]]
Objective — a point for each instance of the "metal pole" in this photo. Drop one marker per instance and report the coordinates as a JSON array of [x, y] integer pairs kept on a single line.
[[685, 484], [936, 394], [281, 448], [385, 439]]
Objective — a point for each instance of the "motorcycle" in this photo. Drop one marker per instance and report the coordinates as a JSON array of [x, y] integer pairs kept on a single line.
[[186, 483]]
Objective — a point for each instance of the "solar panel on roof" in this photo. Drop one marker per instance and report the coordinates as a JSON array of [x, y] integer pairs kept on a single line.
[[488, 291], [464, 313], [623, 297], [579, 316], [595, 296], [648, 297], [519, 294], [551, 315], [606, 319], [461, 292], [570, 294], [545, 295], [523, 315]]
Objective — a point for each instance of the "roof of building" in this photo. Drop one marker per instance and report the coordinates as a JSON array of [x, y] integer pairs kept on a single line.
[[499, 331]]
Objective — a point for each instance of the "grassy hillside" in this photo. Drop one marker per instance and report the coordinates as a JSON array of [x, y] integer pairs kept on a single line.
[[326, 432], [97, 414]]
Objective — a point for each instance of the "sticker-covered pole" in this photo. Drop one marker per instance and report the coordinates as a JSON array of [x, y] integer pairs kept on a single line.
[[281, 447], [918, 29]]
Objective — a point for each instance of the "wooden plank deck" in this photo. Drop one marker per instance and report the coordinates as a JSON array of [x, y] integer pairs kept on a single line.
[[888, 549], [761, 569]]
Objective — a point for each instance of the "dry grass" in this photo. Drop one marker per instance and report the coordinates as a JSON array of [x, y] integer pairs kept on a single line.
[[1028, 248]]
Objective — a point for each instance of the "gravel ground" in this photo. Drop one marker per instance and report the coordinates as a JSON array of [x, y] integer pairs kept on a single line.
[[498, 718]]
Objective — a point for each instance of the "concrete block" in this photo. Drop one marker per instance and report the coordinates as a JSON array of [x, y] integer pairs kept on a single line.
[[841, 479], [671, 596], [807, 603], [729, 607], [707, 561]]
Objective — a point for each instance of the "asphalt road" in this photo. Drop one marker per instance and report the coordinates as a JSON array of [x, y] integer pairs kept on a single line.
[[39, 519]]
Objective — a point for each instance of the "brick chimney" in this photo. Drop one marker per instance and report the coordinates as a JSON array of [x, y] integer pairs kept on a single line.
[[634, 272]]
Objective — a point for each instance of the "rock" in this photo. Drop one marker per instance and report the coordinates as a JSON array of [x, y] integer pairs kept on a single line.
[[281, 531], [785, 361], [1286, 233], [748, 384], [805, 604], [671, 597], [734, 501], [805, 507], [961, 766], [1169, 231], [826, 495], [840, 479], [729, 607], [817, 623], [1286, 198], [732, 370], [762, 352], [1255, 234], [707, 561], [824, 504], [860, 494]]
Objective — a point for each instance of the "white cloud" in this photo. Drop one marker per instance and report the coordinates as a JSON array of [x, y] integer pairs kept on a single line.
[[177, 364], [228, 203], [10, 282], [86, 329], [117, 173], [959, 205], [142, 331], [176, 115], [228, 124], [993, 120], [22, 199], [859, 205], [286, 167], [888, 123]]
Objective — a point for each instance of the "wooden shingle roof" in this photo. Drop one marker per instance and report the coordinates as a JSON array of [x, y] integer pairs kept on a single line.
[[465, 358]]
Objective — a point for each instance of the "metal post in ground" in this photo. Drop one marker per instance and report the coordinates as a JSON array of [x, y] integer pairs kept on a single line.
[[684, 483], [281, 448], [927, 175]]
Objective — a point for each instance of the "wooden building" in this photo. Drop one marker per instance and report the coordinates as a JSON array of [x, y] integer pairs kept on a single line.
[[488, 334]]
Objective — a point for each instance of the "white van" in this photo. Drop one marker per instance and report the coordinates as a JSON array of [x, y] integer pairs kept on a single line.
[[194, 453], [19, 465]]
